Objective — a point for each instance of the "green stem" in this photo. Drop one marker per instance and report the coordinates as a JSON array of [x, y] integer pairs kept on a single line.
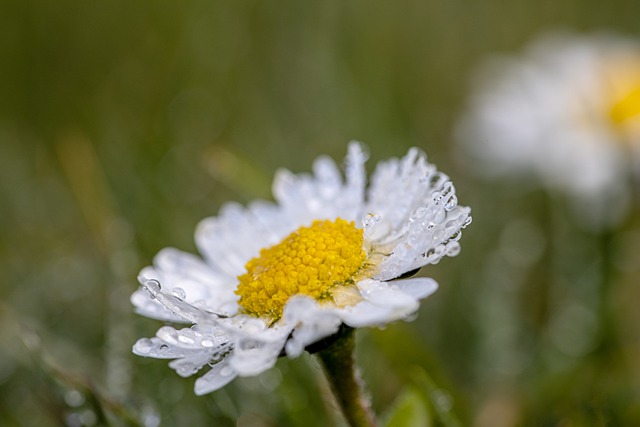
[[339, 365], [609, 338]]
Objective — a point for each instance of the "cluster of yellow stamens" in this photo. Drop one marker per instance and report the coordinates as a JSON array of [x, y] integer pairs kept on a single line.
[[626, 108], [310, 261]]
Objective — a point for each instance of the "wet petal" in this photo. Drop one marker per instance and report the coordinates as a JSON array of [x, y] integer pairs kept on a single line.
[[220, 375], [418, 287], [381, 294], [312, 323]]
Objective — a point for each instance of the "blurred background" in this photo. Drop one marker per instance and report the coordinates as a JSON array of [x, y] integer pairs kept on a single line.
[[122, 124]]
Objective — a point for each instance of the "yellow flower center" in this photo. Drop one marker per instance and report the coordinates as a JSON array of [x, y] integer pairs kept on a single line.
[[310, 261], [626, 108]]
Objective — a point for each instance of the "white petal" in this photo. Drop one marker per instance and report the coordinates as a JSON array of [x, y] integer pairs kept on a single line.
[[275, 223], [380, 293], [220, 375], [251, 357], [229, 240], [418, 287], [383, 303], [399, 186], [188, 266], [427, 238], [367, 314], [312, 323], [155, 347], [355, 181], [237, 234], [416, 213], [187, 366], [175, 304], [149, 307], [328, 178]]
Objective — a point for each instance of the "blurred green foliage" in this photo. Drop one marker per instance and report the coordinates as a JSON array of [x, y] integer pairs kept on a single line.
[[124, 123]]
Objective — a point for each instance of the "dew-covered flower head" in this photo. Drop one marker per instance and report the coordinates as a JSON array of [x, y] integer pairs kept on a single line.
[[566, 111], [276, 278]]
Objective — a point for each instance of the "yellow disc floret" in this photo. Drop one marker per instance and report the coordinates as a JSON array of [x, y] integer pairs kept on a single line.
[[627, 108], [310, 261]]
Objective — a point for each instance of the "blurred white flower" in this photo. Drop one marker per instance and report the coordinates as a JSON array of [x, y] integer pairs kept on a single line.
[[276, 278], [566, 111]]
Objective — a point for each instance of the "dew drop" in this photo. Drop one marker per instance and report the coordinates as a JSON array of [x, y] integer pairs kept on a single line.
[[179, 293], [453, 249], [74, 398], [88, 417], [168, 334], [143, 346], [185, 371], [153, 287], [151, 419], [451, 202], [369, 222], [442, 399], [438, 216], [206, 343], [73, 420], [185, 339]]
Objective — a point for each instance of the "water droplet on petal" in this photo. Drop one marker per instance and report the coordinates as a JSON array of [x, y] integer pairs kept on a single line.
[[179, 293], [143, 346], [418, 216], [167, 334], [437, 214], [369, 222], [451, 202], [453, 249], [153, 287], [185, 339]]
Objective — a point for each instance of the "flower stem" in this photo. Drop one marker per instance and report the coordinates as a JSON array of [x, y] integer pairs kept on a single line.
[[339, 365]]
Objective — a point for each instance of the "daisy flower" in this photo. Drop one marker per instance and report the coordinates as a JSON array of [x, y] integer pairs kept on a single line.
[[278, 278], [567, 111]]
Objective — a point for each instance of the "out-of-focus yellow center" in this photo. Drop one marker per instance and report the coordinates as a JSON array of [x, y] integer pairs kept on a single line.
[[310, 261], [627, 107]]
